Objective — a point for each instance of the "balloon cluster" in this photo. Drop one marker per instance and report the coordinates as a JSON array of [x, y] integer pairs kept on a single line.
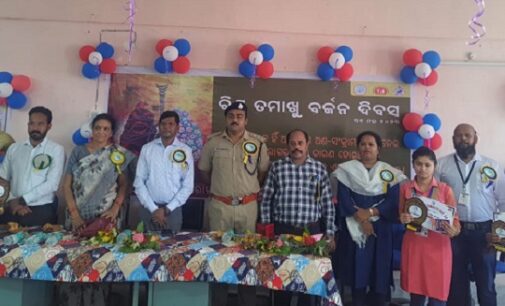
[[83, 134], [172, 56], [335, 63], [256, 61], [420, 67], [11, 89], [421, 131], [97, 60]]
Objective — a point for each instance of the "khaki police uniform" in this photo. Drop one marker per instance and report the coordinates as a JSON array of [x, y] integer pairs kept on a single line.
[[234, 176]]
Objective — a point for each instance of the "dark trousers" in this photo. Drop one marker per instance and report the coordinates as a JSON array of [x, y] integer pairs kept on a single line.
[[420, 300], [470, 250], [283, 298], [39, 216], [360, 297], [246, 295]]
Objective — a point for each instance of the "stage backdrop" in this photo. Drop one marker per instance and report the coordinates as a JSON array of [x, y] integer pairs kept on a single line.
[[332, 113]]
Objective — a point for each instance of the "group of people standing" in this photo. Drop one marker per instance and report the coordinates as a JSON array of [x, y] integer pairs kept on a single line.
[[293, 193]]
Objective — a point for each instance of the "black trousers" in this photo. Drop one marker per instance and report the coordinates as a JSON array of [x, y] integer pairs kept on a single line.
[[39, 216]]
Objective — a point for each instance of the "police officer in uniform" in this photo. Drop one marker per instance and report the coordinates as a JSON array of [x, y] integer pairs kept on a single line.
[[234, 161]]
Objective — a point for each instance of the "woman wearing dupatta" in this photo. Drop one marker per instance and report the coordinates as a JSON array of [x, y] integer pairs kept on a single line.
[[95, 182], [367, 198]]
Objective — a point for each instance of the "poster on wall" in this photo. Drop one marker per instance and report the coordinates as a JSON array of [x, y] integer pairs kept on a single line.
[[332, 115]]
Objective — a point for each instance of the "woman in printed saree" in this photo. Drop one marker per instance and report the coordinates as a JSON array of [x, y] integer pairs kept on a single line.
[[367, 199], [96, 182]]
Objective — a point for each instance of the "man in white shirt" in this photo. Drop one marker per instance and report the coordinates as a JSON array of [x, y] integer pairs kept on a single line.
[[478, 183], [165, 177], [33, 169]]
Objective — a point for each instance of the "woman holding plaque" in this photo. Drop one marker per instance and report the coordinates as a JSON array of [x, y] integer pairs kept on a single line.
[[426, 263], [367, 196]]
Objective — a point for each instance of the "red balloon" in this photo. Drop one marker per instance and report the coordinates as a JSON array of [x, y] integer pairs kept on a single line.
[[265, 70], [434, 143], [20, 82], [162, 44], [108, 65], [430, 80], [246, 49], [323, 55], [344, 73], [181, 64], [412, 121], [3, 101], [412, 57], [85, 51]]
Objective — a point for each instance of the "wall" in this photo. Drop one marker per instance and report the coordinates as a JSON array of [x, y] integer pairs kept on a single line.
[[42, 39]]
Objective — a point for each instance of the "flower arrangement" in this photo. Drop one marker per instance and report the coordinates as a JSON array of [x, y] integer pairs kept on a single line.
[[135, 241], [103, 237]]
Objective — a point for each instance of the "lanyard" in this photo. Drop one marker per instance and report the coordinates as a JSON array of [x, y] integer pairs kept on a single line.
[[430, 194], [464, 180]]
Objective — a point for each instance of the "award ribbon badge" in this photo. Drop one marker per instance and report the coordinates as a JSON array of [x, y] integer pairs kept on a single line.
[[488, 175], [41, 161], [179, 156], [117, 158], [249, 149], [386, 177]]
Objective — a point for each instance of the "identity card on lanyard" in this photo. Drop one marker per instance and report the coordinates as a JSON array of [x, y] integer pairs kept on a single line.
[[464, 196]]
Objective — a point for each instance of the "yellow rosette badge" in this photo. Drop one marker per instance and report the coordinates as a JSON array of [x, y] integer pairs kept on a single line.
[[249, 149], [386, 177], [117, 158], [179, 156]]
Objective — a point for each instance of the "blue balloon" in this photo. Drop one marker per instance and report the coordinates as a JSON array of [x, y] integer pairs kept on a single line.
[[431, 58], [5, 77], [162, 66], [16, 100], [267, 51], [408, 75], [183, 46], [247, 69], [412, 140], [90, 71], [433, 120], [325, 71], [105, 49], [77, 138], [346, 52]]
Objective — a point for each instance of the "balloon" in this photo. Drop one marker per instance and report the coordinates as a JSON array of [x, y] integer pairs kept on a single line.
[[426, 131], [408, 75], [21, 82], [256, 58], [247, 69], [86, 130], [344, 73], [423, 70], [246, 49], [95, 58], [434, 143], [346, 52], [162, 66], [90, 71], [181, 64], [412, 140], [325, 71], [430, 80], [433, 120], [162, 44], [431, 58], [265, 70], [412, 57], [412, 121], [5, 77], [5, 90], [78, 139], [336, 60], [85, 51], [108, 66], [267, 51], [105, 49], [170, 53], [323, 54], [17, 100], [183, 46], [3, 101]]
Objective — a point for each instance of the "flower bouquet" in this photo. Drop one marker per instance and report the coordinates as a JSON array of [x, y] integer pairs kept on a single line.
[[135, 241], [103, 237]]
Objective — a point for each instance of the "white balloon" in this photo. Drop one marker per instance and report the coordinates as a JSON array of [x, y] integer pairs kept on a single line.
[[426, 131], [5, 90], [170, 53], [86, 130], [423, 70], [256, 58], [95, 58], [337, 60]]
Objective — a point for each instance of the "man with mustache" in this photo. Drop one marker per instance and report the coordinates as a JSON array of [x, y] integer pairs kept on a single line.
[[235, 162], [479, 187], [297, 196], [33, 169]]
